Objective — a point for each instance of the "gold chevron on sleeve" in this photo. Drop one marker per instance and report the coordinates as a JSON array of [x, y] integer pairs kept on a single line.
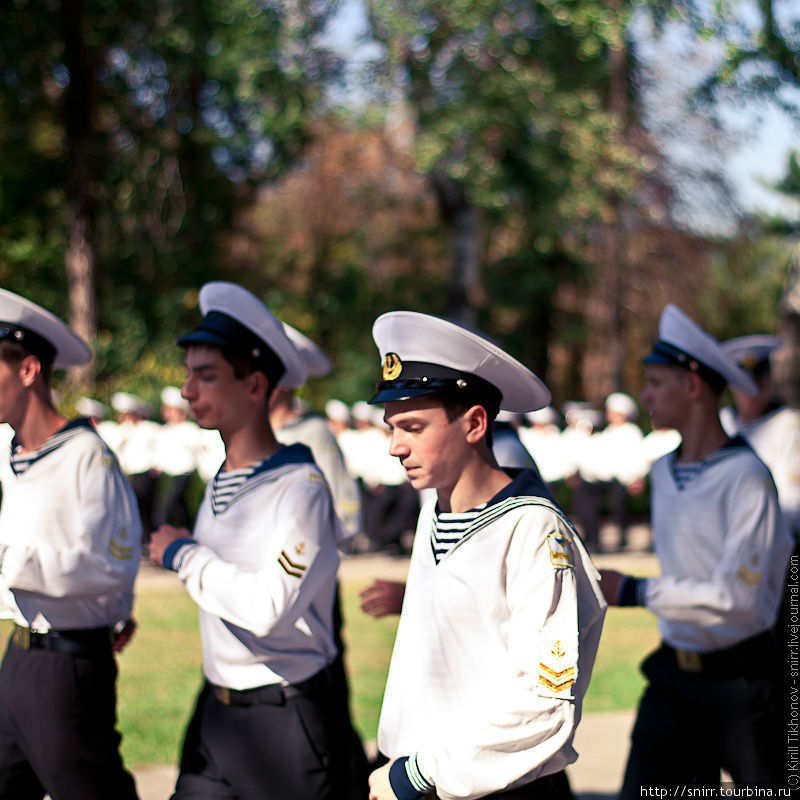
[[555, 687], [749, 577], [556, 675], [120, 552], [290, 567], [556, 680]]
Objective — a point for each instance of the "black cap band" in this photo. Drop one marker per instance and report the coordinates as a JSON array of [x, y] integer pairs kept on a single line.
[[666, 353], [420, 378], [34, 343], [221, 330]]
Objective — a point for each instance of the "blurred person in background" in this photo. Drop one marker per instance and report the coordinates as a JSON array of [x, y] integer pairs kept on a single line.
[[134, 441], [542, 439], [770, 426], [612, 466], [176, 456], [293, 424], [713, 699]]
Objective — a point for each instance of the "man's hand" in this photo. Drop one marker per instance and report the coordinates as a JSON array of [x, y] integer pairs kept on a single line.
[[121, 637], [610, 580], [379, 786], [161, 539], [382, 597]]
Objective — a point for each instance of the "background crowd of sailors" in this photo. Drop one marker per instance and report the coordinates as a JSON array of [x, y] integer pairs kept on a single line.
[[596, 461]]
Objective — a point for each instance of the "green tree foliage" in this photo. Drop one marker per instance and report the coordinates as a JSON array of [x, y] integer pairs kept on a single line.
[[188, 106], [511, 100]]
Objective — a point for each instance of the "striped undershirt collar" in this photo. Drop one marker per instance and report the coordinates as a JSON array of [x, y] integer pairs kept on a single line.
[[21, 462], [449, 528], [684, 473], [227, 487]]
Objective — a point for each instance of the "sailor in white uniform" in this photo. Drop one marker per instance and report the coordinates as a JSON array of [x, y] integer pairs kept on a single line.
[[261, 565], [178, 447], [503, 612], [135, 440], [292, 425], [69, 550], [771, 427], [713, 700]]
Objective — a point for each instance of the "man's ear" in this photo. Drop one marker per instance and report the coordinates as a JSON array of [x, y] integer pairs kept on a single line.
[[476, 422], [30, 367], [257, 384], [696, 385]]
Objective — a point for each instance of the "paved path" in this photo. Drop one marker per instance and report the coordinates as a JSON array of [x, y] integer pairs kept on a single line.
[[601, 739]]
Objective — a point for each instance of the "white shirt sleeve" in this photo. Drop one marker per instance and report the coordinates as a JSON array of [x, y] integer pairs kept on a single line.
[[100, 556], [301, 557]]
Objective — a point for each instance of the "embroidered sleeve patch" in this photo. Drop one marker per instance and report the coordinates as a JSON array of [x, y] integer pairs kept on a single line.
[[560, 553], [291, 566], [118, 550], [749, 574], [555, 672]]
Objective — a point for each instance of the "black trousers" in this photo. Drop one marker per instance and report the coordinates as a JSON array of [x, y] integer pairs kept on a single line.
[[690, 726], [172, 508], [290, 748], [57, 728]]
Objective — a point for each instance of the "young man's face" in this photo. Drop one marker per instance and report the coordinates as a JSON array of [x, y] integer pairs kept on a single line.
[[218, 399], [666, 395], [430, 447]]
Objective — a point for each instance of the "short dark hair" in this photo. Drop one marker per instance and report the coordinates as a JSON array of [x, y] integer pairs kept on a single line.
[[457, 404], [244, 364], [13, 352]]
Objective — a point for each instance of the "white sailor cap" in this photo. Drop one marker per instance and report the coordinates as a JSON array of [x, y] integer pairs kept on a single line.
[[543, 416], [681, 342], [752, 352], [50, 339], [337, 410], [361, 412], [171, 398], [317, 363], [621, 403], [127, 403], [234, 318], [423, 355], [87, 407]]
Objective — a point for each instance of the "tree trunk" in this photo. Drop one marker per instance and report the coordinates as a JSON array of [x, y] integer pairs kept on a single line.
[[461, 219], [785, 370], [80, 256]]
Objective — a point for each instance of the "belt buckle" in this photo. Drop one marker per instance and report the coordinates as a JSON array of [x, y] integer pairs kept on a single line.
[[223, 694], [22, 637], [689, 660]]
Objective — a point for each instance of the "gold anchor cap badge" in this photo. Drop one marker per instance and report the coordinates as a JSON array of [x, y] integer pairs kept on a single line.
[[392, 366]]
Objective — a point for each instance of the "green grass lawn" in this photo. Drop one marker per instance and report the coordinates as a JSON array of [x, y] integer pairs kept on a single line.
[[160, 671]]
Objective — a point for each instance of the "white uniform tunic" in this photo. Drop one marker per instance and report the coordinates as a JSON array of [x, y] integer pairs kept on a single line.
[[494, 649], [262, 568], [177, 448], [314, 432], [70, 534], [776, 439], [723, 547]]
